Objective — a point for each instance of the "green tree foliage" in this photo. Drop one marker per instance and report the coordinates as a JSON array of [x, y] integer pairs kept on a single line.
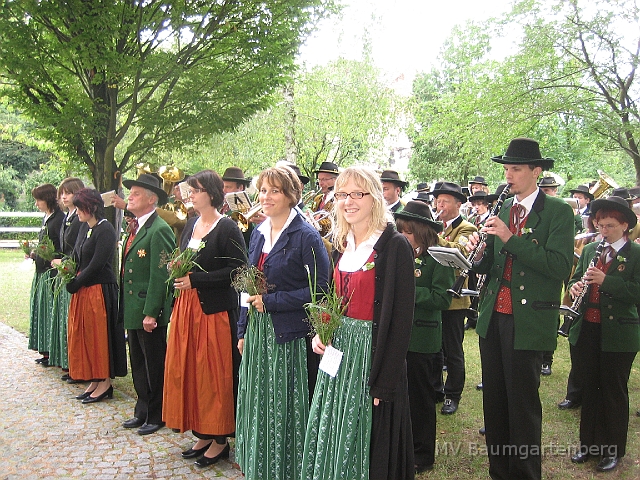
[[340, 112], [112, 82], [569, 83]]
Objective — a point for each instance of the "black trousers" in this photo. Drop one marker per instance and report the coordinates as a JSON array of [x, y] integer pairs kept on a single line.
[[147, 351], [604, 420], [574, 388], [421, 370], [511, 403], [452, 338]]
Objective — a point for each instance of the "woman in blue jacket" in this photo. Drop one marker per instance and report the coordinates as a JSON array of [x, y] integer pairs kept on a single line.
[[278, 366]]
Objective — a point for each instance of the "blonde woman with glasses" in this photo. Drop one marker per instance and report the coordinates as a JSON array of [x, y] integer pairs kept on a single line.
[[359, 424]]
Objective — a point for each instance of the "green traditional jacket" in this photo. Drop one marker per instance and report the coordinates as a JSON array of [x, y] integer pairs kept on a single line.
[[542, 259], [618, 296], [143, 285], [432, 283]]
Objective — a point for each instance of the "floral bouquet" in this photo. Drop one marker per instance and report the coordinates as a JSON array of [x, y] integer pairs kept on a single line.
[[27, 247], [45, 249], [249, 279], [67, 270], [179, 264], [324, 314]]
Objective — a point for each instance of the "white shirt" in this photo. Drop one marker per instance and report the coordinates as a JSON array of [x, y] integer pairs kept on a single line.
[[143, 219], [265, 229], [527, 202], [353, 259]]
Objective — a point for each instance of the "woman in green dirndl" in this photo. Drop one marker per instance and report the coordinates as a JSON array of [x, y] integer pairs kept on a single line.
[[359, 424], [278, 365], [58, 354], [42, 285]]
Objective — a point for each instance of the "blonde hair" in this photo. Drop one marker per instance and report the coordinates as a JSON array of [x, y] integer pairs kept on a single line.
[[285, 179], [369, 182]]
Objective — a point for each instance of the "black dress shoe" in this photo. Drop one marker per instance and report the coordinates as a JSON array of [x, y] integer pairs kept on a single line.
[[205, 461], [65, 377], [638, 413], [607, 464], [482, 431], [424, 468], [148, 428], [546, 369], [450, 406], [43, 359], [134, 422], [479, 386], [73, 380], [580, 457], [567, 404], [193, 453], [84, 395], [108, 393]]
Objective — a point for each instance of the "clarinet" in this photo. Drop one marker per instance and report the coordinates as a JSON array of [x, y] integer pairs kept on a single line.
[[456, 289], [575, 310]]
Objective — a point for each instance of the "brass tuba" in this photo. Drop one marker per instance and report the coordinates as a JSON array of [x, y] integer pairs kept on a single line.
[[143, 167], [243, 218], [170, 176], [604, 183]]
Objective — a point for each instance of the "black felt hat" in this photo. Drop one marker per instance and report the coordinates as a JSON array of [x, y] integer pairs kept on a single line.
[[303, 178], [548, 182], [327, 167], [479, 180], [480, 195], [584, 189], [422, 187], [615, 203], [150, 182], [393, 177], [524, 151], [623, 193], [450, 188], [420, 212], [235, 174]]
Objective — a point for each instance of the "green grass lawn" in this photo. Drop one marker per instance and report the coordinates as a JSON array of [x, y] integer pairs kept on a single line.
[[459, 444]]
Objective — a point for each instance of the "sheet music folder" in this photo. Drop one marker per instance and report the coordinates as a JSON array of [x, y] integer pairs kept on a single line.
[[449, 257]]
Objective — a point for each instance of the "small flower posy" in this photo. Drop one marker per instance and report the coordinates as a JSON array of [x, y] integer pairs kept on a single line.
[[621, 259], [178, 263], [45, 248], [325, 314], [524, 231], [27, 247], [368, 266], [67, 270]]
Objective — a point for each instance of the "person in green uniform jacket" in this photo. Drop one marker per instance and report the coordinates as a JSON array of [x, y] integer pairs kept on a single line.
[[423, 366], [145, 302], [606, 337], [528, 254]]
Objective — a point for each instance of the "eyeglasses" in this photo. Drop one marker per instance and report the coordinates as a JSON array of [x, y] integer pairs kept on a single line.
[[354, 195], [609, 226], [191, 191]]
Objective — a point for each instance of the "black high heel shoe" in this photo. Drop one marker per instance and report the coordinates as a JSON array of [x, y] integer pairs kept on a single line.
[[84, 395], [108, 393], [193, 453], [205, 461]]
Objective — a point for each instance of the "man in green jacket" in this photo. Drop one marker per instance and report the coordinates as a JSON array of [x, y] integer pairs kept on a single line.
[[529, 252], [145, 304]]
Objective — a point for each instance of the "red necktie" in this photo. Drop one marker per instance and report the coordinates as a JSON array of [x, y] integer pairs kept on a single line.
[[132, 228], [516, 214]]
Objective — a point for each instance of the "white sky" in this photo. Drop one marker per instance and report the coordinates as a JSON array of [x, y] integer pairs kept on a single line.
[[406, 35]]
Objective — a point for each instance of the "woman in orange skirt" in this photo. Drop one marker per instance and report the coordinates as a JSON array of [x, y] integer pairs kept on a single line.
[[199, 371], [96, 340]]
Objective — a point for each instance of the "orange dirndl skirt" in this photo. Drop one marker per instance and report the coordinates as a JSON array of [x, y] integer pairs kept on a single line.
[[87, 335], [198, 375]]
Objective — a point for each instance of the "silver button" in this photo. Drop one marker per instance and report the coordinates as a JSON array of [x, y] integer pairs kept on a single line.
[[130, 281], [522, 274], [130, 292], [130, 270], [611, 317], [523, 301], [521, 287]]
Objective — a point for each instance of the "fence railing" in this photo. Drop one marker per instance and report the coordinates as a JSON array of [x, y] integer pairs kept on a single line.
[[16, 243]]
